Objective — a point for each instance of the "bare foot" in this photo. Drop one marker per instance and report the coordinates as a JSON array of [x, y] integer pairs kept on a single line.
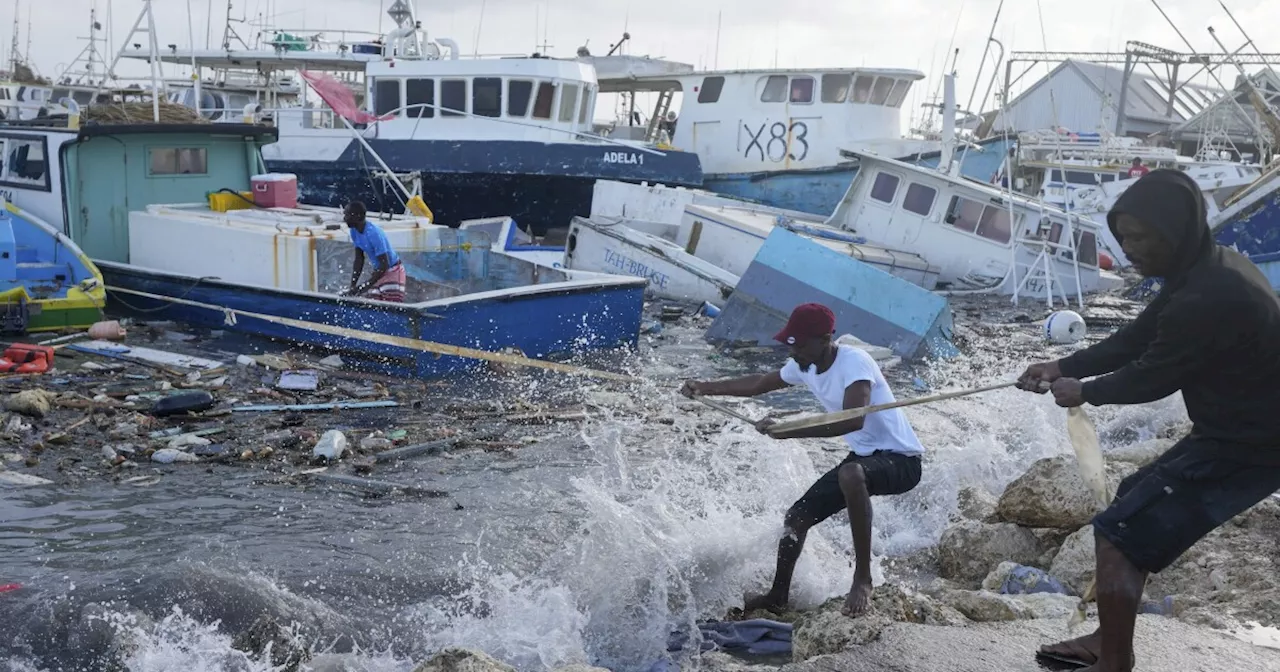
[[1084, 649], [768, 602], [859, 598]]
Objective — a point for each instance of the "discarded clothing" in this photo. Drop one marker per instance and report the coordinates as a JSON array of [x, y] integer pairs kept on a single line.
[[1023, 580], [757, 636]]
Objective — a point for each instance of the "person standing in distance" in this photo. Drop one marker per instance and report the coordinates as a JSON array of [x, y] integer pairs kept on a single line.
[[884, 454]]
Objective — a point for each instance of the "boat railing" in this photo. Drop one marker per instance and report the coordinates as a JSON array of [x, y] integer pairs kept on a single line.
[[330, 120]]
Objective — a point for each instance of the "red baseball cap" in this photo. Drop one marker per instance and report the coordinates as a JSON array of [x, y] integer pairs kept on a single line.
[[809, 320]]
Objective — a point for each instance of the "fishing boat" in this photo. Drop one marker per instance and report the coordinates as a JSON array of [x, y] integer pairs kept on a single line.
[[769, 135], [46, 282], [155, 219], [614, 246], [480, 136], [1249, 223]]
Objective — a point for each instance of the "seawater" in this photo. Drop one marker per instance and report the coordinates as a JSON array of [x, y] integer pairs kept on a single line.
[[592, 547]]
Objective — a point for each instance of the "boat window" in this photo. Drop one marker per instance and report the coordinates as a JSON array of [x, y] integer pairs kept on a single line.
[[1087, 244], [568, 101], [486, 97], [964, 214], [862, 89], [835, 88], [1077, 177], [542, 104], [802, 89], [899, 93], [995, 224], [710, 90], [179, 161], [1055, 232], [1107, 177], [519, 91], [386, 96], [919, 199], [420, 92], [880, 93], [453, 97], [24, 162], [885, 187], [584, 109], [775, 89]]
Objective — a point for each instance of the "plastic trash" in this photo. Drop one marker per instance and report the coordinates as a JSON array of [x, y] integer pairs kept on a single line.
[[1064, 326], [171, 455], [192, 401], [331, 446], [109, 330], [709, 309], [1023, 580]]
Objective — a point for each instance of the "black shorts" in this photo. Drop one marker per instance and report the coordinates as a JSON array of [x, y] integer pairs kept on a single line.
[[1167, 506], [887, 473]]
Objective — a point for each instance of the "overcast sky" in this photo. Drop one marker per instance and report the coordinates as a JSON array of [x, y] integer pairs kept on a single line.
[[752, 33]]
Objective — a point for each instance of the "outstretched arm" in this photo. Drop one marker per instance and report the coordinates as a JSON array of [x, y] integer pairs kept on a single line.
[[746, 386]]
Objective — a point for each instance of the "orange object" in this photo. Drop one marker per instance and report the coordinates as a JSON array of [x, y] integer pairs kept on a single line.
[[26, 358], [106, 331], [1105, 262]]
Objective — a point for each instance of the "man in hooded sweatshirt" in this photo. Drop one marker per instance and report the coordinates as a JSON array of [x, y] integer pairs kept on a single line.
[[1213, 333]]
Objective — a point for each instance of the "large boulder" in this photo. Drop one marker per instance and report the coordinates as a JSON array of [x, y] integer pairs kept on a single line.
[[975, 503], [825, 630], [1052, 494], [463, 660], [970, 549], [1076, 561]]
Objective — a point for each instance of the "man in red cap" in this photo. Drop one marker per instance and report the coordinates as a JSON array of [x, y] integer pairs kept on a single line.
[[884, 453]]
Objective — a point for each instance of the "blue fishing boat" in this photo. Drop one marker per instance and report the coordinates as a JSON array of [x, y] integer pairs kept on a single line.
[[149, 204], [46, 282], [1249, 222]]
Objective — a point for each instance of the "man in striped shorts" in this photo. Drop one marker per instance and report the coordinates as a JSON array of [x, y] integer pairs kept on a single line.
[[386, 282]]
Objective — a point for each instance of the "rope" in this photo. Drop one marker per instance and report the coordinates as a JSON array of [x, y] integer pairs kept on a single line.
[[185, 294], [229, 318]]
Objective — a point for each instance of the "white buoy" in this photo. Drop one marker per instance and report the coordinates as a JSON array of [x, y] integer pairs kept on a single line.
[[1064, 326]]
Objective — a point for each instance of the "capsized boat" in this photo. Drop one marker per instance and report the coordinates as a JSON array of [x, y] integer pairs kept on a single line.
[[46, 282]]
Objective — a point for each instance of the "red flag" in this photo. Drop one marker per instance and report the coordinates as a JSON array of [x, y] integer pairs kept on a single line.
[[336, 95]]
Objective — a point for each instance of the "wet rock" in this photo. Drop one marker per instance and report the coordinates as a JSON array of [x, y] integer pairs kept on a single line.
[[718, 661], [463, 660], [1052, 494], [969, 550], [581, 667], [375, 443], [826, 631], [985, 606], [284, 438], [975, 503], [123, 431], [1234, 570], [1140, 454], [902, 605], [268, 641], [1076, 561], [31, 403], [331, 446]]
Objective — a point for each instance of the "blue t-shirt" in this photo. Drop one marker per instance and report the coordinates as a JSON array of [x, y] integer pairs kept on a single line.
[[373, 242]]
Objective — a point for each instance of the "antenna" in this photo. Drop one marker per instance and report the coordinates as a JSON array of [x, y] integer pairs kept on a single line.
[[479, 24], [14, 56], [715, 63], [89, 55]]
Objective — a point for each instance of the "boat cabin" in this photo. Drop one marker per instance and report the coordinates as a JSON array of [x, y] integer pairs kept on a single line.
[[747, 121], [1063, 167], [24, 101], [980, 237]]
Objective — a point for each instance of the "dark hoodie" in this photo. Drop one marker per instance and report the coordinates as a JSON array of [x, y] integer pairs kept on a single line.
[[1213, 331]]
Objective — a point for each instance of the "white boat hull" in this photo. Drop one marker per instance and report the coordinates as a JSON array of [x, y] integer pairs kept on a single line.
[[610, 247]]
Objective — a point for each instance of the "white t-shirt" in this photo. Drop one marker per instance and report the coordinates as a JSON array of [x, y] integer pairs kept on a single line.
[[885, 430]]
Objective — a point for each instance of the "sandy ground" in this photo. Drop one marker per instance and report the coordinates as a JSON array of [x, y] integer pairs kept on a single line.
[[1162, 645]]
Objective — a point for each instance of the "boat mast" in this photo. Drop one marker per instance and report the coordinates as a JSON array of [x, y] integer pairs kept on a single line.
[[157, 80], [15, 57], [90, 55]]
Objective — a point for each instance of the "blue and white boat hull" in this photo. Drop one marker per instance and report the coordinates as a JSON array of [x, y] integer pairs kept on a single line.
[[541, 320], [540, 185]]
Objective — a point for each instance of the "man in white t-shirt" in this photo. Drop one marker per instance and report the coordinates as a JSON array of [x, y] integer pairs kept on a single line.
[[884, 453]]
